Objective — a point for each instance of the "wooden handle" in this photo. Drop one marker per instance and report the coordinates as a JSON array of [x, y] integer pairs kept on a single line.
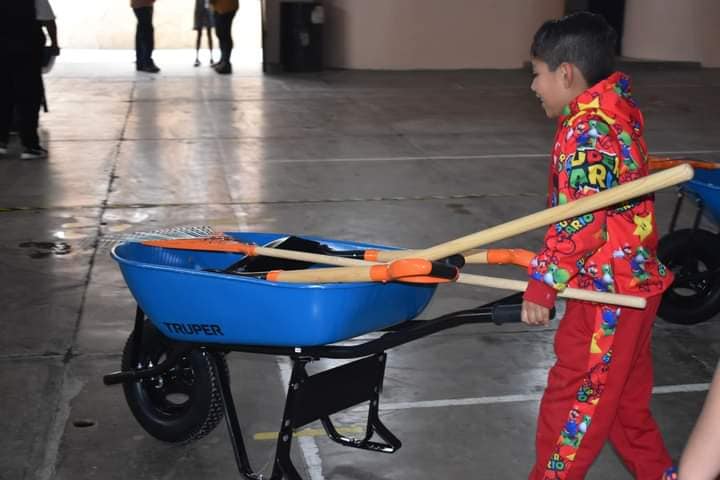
[[661, 163], [571, 293], [323, 275], [214, 244], [366, 274], [606, 198], [414, 270]]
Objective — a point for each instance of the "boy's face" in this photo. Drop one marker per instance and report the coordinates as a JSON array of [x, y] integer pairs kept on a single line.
[[551, 86]]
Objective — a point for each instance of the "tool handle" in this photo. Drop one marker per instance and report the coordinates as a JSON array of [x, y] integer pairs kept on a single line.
[[597, 201]]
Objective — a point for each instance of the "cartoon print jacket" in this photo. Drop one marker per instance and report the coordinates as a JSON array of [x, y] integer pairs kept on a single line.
[[599, 144]]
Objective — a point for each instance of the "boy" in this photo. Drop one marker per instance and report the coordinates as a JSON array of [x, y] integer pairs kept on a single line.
[[600, 386]]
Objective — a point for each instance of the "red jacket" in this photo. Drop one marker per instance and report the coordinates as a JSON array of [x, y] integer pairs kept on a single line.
[[599, 144]]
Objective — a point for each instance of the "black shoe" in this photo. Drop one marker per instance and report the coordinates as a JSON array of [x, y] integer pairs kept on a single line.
[[32, 153], [149, 68], [197, 63], [223, 68]]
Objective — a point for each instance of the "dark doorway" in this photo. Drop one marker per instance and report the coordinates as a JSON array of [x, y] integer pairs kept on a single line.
[[612, 10]]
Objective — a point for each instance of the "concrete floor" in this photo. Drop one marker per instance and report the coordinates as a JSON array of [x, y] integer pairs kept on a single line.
[[401, 158]]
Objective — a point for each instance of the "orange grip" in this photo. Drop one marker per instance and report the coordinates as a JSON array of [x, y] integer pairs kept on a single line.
[[515, 256], [371, 255], [409, 267], [380, 273]]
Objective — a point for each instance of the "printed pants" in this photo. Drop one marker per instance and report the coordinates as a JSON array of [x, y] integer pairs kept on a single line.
[[599, 389]]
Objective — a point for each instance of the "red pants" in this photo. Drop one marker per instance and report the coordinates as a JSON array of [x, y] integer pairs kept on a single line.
[[622, 412]]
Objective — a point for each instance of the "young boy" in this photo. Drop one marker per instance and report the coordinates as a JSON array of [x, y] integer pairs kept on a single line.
[[600, 386]]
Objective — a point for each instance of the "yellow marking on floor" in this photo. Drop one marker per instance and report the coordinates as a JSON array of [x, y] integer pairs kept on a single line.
[[310, 432]]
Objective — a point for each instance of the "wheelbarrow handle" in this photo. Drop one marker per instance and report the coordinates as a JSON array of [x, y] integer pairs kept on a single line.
[[597, 201], [620, 300], [405, 269]]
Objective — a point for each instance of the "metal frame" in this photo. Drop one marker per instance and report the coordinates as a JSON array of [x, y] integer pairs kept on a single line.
[[316, 397]]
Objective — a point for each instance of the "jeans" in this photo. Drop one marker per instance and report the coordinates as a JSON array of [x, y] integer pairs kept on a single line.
[[144, 36]]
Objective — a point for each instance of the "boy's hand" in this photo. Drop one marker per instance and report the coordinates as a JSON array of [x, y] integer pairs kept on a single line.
[[534, 314]]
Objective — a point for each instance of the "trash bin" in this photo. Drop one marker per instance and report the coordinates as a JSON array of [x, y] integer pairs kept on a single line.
[[301, 45]]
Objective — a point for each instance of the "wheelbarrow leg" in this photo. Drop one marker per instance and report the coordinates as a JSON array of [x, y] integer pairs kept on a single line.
[[283, 466], [236, 438]]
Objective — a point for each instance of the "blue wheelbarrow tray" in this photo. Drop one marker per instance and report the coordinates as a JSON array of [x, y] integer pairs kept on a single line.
[[706, 185], [187, 303]]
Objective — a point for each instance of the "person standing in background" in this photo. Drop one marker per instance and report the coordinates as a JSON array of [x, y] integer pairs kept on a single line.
[[20, 78], [144, 36], [45, 15], [203, 19], [46, 18], [225, 11]]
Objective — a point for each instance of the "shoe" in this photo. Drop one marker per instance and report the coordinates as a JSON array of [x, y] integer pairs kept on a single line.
[[197, 63], [223, 68], [33, 153], [149, 68], [3, 148]]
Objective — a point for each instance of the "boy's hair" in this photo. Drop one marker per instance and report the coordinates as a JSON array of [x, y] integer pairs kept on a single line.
[[583, 39]]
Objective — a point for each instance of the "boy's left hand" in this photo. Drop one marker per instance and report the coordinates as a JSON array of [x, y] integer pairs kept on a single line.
[[534, 314]]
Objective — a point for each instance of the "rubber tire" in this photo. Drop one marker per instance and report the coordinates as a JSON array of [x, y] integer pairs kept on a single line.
[[198, 415], [692, 309]]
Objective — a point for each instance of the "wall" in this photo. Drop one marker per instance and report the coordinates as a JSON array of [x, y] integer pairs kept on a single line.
[[431, 34], [672, 30]]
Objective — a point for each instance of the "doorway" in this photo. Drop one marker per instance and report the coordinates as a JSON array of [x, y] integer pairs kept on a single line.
[[612, 10]]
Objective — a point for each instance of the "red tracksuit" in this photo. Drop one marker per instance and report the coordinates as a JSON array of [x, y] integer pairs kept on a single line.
[[600, 386]]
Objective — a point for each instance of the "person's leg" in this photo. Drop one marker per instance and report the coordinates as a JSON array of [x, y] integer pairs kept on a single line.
[[139, 35], [6, 101], [28, 86], [210, 42], [197, 47], [150, 35], [230, 44], [597, 411], [634, 433], [221, 33], [564, 379], [144, 37]]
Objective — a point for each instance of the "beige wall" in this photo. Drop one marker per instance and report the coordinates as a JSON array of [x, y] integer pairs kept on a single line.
[[111, 24], [687, 30], [409, 34], [432, 34]]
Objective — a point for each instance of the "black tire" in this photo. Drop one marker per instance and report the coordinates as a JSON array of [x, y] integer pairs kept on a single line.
[[694, 258], [182, 405]]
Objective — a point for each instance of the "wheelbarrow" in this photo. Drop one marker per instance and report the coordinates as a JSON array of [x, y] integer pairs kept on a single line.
[[693, 254], [192, 311], [196, 305]]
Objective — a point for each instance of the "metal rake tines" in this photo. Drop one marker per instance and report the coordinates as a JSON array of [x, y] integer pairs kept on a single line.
[[187, 231]]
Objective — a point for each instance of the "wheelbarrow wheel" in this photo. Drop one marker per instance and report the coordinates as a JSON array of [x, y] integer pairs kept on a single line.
[[694, 258], [181, 405]]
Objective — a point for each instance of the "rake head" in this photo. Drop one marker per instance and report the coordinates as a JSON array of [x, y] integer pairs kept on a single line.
[[186, 231]]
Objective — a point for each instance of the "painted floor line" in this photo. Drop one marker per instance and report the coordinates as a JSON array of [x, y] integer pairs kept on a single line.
[[492, 400], [354, 429], [459, 157], [310, 432]]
